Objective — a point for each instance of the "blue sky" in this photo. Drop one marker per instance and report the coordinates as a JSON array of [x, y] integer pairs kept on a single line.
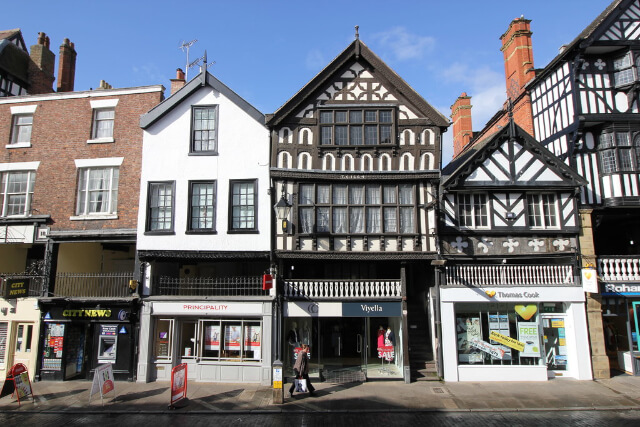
[[267, 50]]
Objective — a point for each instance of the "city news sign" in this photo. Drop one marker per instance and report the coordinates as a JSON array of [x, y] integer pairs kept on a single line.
[[16, 288]]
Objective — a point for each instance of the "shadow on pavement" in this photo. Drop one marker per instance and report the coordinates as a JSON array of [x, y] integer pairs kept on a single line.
[[140, 395]]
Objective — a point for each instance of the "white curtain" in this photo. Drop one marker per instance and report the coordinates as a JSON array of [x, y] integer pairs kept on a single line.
[[406, 220], [389, 195], [355, 195], [306, 220], [339, 220], [339, 194], [306, 194], [373, 195], [390, 220], [356, 220], [323, 194], [373, 220]]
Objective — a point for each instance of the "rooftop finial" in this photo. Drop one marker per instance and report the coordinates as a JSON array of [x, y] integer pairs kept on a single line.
[[357, 34]]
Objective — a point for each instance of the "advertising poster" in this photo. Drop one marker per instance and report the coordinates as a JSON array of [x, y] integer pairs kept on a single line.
[[178, 383], [252, 338], [232, 337], [23, 385], [499, 323], [494, 351], [528, 334], [103, 381], [468, 329], [212, 337], [386, 352]]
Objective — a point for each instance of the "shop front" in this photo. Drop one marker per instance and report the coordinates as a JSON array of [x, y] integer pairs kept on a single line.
[[514, 333], [220, 341], [621, 323], [77, 337], [348, 340]]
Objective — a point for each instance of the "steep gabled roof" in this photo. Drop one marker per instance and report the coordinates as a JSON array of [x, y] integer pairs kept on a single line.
[[588, 35], [201, 80], [530, 164], [356, 51], [14, 58]]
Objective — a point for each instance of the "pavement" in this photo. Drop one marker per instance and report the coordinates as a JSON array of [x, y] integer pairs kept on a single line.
[[619, 393]]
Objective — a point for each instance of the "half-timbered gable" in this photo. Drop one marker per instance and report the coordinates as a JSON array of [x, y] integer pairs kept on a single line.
[[355, 168], [585, 105], [509, 195]]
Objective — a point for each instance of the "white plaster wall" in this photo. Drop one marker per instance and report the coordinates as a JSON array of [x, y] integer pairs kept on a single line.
[[243, 153]]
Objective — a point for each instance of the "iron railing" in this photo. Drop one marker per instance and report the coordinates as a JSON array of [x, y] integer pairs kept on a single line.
[[93, 284], [343, 289], [619, 268], [35, 282], [509, 275], [210, 286]]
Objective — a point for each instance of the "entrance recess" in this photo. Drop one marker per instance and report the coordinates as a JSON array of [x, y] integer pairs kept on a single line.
[[343, 345]]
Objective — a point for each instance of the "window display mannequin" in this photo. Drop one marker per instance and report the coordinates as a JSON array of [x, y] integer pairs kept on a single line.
[[293, 337], [389, 337], [380, 336]]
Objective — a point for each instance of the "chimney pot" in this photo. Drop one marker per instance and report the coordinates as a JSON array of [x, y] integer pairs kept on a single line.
[[179, 82], [67, 67]]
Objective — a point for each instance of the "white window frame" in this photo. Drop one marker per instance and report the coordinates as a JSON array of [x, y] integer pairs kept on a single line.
[[99, 106], [541, 199], [31, 168], [82, 165], [478, 209], [16, 113]]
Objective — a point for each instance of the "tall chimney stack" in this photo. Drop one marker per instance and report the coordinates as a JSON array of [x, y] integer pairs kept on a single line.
[[41, 66], [518, 56], [66, 66], [179, 82], [462, 125]]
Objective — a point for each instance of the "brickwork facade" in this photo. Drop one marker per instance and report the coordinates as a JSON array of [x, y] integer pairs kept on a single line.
[[61, 128]]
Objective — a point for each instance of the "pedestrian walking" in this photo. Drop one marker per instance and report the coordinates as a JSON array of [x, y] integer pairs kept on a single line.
[[301, 370]]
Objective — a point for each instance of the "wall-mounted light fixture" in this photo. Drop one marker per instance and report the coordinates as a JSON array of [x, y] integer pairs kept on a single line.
[[282, 208]]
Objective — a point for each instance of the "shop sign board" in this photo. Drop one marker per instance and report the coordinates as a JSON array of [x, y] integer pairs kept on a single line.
[[589, 280], [371, 309], [514, 294], [178, 384], [611, 289], [206, 308], [16, 288], [103, 382], [528, 333], [506, 340], [17, 381], [490, 349]]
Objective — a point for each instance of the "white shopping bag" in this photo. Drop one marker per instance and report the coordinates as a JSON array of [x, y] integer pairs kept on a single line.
[[301, 385]]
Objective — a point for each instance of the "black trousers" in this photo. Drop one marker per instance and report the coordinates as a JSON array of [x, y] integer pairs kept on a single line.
[[310, 387]]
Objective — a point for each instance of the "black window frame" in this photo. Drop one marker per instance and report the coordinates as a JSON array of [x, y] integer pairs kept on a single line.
[[616, 154], [190, 228], [334, 122], [230, 228], [170, 230], [192, 135]]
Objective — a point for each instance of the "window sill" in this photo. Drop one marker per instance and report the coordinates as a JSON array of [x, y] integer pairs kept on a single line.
[[93, 217], [100, 140], [203, 153], [160, 233], [243, 232], [201, 232], [19, 145]]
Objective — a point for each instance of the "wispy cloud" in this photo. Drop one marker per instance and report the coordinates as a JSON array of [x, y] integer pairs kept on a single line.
[[403, 44], [150, 74]]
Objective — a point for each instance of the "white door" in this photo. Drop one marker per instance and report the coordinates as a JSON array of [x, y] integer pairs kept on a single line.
[[189, 346], [24, 345], [558, 345]]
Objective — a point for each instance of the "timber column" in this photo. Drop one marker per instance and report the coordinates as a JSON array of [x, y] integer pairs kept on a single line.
[[599, 358]]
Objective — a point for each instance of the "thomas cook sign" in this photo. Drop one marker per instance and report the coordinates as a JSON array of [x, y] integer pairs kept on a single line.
[[16, 288]]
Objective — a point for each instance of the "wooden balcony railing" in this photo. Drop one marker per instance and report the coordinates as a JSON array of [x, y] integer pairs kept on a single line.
[[210, 286], [619, 268], [509, 275], [92, 284], [343, 289]]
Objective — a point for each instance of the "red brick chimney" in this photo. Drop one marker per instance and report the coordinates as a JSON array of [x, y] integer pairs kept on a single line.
[[518, 56], [178, 82], [41, 66], [66, 66], [462, 127]]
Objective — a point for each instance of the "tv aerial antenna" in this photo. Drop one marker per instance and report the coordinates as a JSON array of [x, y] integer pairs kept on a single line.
[[203, 58], [185, 47]]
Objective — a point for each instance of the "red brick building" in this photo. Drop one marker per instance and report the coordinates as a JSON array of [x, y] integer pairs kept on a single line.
[[70, 178]]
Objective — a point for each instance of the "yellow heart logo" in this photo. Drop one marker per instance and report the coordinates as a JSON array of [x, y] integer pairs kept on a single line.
[[490, 293], [526, 311], [588, 275]]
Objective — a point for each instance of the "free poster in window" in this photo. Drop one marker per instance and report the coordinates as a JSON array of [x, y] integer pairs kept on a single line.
[[232, 337], [529, 335], [212, 337]]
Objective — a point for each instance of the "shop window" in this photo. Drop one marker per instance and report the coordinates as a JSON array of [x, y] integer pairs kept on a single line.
[[239, 340], [499, 334], [188, 340], [3, 342], [162, 339]]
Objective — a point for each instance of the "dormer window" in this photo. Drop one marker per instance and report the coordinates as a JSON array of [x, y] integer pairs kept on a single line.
[[356, 127]]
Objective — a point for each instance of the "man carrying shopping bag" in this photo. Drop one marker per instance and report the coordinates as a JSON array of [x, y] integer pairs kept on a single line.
[[301, 369]]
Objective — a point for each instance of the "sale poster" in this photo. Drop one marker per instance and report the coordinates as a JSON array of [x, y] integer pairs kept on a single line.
[[178, 383], [212, 337]]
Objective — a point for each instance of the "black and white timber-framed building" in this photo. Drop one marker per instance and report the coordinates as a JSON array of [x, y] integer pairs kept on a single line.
[[356, 158]]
